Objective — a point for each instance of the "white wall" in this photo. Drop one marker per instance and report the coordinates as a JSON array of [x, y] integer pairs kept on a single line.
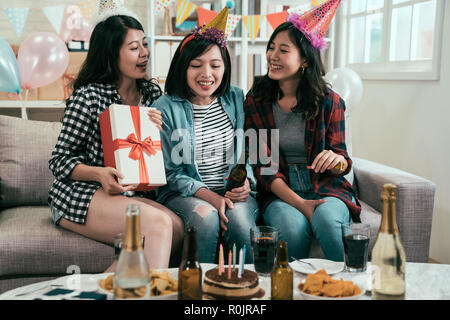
[[406, 124]]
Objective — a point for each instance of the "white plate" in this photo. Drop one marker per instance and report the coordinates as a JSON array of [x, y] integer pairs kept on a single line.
[[307, 296], [331, 267], [171, 296]]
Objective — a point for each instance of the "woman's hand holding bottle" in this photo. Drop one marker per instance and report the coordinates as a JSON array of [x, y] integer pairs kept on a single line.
[[240, 194]]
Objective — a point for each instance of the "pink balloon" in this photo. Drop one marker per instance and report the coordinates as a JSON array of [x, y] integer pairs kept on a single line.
[[43, 58]]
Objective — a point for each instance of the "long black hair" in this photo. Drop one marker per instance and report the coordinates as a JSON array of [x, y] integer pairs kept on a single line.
[[176, 82], [102, 61], [312, 87]]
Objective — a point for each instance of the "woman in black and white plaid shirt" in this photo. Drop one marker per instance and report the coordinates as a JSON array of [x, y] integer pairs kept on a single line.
[[85, 196]]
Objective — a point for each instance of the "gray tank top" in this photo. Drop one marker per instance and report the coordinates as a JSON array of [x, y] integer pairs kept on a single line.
[[292, 135]]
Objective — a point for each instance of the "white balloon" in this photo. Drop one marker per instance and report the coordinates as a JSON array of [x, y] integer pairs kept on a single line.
[[347, 84]]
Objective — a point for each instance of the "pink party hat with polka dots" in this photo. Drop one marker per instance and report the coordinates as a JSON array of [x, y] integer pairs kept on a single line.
[[315, 22]]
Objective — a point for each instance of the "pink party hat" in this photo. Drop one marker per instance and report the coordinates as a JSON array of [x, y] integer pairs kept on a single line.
[[315, 22]]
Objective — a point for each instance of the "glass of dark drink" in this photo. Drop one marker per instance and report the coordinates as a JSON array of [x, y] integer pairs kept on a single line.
[[356, 238], [264, 244], [118, 242]]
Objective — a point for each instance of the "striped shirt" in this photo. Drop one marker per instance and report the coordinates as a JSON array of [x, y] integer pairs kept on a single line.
[[213, 139]]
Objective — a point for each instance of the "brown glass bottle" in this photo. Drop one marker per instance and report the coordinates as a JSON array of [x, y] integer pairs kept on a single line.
[[388, 256], [282, 276], [237, 175], [190, 271]]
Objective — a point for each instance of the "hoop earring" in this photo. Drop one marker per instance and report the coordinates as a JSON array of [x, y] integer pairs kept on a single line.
[[302, 70]]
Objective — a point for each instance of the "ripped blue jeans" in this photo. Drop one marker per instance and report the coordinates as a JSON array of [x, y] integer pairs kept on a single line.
[[297, 230], [205, 219]]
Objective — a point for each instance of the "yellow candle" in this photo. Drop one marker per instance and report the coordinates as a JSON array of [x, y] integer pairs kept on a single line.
[[220, 260]]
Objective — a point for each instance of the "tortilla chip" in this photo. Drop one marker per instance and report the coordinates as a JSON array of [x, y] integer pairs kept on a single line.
[[161, 283], [321, 284], [107, 283]]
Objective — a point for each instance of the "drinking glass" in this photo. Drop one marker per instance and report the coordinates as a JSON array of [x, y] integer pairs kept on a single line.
[[264, 244], [118, 242], [356, 238]]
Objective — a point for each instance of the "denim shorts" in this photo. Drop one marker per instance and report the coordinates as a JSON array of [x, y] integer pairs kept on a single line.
[[56, 215]]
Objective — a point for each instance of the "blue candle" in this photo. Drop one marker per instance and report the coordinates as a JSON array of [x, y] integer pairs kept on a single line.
[[241, 266]]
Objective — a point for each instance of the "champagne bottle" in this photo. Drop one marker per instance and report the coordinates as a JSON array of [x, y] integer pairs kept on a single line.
[[282, 276], [190, 271], [132, 275], [388, 255]]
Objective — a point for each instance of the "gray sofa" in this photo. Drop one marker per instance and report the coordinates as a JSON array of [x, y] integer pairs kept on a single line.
[[33, 249]]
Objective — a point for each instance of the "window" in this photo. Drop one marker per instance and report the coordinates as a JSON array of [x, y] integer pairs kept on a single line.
[[392, 39]]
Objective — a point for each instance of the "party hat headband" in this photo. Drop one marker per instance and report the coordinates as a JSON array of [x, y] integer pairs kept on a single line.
[[315, 22], [109, 8], [213, 31]]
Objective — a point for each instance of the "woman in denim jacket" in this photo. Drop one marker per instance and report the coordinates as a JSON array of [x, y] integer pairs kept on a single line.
[[202, 138]]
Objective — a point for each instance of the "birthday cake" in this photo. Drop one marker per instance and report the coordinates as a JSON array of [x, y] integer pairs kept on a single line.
[[220, 287]]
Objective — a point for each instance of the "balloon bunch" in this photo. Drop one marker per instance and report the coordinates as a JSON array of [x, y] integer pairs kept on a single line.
[[42, 58]]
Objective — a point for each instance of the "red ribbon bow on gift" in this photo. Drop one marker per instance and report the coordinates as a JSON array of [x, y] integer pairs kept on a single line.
[[138, 146]]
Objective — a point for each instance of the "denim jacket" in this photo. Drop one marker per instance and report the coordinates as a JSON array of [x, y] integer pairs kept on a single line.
[[178, 143]]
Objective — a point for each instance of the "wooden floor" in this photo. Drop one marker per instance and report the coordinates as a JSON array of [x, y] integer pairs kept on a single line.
[[432, 261]]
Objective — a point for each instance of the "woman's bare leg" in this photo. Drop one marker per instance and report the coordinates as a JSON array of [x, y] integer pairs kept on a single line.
[[106, 218], [177, 225]]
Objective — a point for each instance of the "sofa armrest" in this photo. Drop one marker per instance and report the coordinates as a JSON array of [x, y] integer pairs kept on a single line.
[[414, 205]]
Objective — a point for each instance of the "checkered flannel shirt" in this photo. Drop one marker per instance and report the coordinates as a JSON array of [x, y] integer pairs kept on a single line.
[[325, 132], [80, 142]]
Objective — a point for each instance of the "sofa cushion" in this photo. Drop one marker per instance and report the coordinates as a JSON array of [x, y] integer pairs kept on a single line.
[[31, 244], [372, 217], [25, 149]]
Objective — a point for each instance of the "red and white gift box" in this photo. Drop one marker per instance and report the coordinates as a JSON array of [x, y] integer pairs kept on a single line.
[[132, 144]]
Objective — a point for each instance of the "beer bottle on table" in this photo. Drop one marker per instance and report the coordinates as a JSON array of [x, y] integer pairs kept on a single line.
[[388, 255], [282, 276], [238, 174], [190, 271], [132, 275]]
